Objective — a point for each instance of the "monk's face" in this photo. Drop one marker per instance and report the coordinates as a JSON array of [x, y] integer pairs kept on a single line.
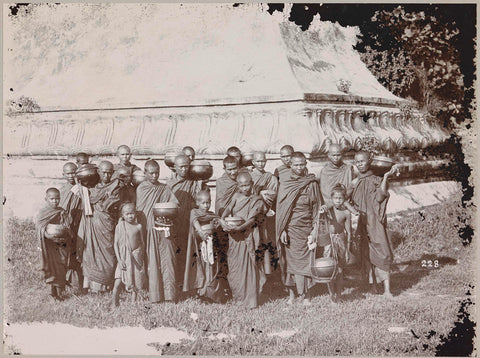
[[335, 155], [298, 166], [259, 161], [204, 202], [128, 213], [124, 155], [362, 162], [181, 166], [69, 173], [286, 157], [124, 176], [338, 199], [245, 185], [190, 153], [152, 173], [52, 199], [232, 170], [82, 159], [105, 172]]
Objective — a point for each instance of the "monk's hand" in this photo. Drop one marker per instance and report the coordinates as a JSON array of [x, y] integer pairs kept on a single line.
[[123, 265], [323, 209], [284, 238], [395, 170], [203, 235]]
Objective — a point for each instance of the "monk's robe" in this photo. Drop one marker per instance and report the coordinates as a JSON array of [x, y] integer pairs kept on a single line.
[[281, 172], [131, 168], [266, 181], [96, 236], [134, 277], [225, 189], [129, 190], [160, 248], [185, 191], [209, 280], [298, 201], [246, 275], [376, 248], [331, 175], [71, 202], [55, 253]]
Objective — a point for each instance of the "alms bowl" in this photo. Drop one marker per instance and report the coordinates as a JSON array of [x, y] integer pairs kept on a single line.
[[323, 268], [138, 176], [168, 210], [381, 164], [87, 174], [234, 220], [269, 193], [247, 159], [55, 230], [201, 170], [207, 229]]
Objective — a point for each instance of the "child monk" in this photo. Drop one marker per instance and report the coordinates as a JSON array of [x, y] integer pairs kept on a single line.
[[286, 157], [189, 152], [130, 251], [185, 190], [202, 275], [340, 229], [370, 195], [245, 275], [82, 158], [55, 252], [124, 155], [263, 180], [226, 184], [71, 202], [160, 246]]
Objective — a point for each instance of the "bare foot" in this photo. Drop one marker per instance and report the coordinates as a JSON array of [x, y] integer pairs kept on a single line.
[[388, 295], [306, 302]]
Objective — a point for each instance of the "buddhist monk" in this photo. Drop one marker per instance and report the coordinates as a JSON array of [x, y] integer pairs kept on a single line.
[[237, 154], [370, 195], [226, 184], [71, 202], [298, 203], [160, 244], [203, 273], [185, 190], [245, 274], [96, 232], [263, 180], [189, 152], [55, 251], [82, 158], [124, 175], [285, 155], [124, 155]]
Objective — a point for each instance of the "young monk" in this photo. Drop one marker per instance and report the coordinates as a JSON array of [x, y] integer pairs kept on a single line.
[[125, 177], [71, 202], [237, 154], [55, 251], [370, 195], [263, 180], [245, 275], [129, 250], [82, 158], [208, 279], [286, 157], [340, 228], [160, 246], [189, 152], [96, 232], [124, 155], [185, 190], [298, 203], [226, 184]]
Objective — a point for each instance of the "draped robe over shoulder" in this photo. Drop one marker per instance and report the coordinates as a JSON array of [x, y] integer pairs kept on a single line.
[[331, 175], [281, 172], [160, 250], [54, 254], [245, 275], [372, 224], [225, 188]]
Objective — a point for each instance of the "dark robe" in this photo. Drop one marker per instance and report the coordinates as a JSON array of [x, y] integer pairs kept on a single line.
[[131, 168], [96, 236], [55, 253], [225, 189], [160, 249], [209, 280], [246, 275], [331, 175], [129, 189], [372, 224], [298, 201], [281, 172]]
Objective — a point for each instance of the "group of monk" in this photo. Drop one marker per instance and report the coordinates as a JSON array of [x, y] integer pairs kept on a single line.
[[264, 226]]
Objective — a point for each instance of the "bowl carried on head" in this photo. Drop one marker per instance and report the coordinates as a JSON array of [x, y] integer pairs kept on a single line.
[[170, 156], [200, 170], [87, 174], [381, 164]]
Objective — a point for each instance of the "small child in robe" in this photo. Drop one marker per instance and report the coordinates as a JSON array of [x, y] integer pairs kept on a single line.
[[55, 251], [129, 250], [340, 229], [204, 273]]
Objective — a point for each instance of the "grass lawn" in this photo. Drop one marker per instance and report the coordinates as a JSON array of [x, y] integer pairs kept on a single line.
[[417, 321]]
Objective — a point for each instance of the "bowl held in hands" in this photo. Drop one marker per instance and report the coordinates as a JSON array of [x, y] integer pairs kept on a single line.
[[201, 170], [167, 210], [234, 220], [55, 230], [207, 229]]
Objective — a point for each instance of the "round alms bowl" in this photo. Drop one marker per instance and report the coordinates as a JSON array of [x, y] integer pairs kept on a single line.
[[269, 193], [247, 159], [138, 176], [381, 164], [324, 267], [201, 170], [88, 174], [169, 157], [234, 220], [55, 230], [207, 229], [168, 210]]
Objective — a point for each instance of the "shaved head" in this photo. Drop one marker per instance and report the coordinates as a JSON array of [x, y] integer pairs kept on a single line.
[[286, 155], [335, 154], [182, 158], [244, 177], [82, 158], [69, 170], [245, 183], [152, 171], [151, 164], [52, 191], [287, 148], [362, 154], [233, 150], [105, 165], [334, 148], [259, 155], [69, 166], [298, 155], [189, 152], [123, 148], [182, 164], [203, 194], [123, 171]]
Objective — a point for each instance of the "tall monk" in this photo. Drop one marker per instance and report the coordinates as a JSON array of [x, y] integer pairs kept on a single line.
[[286, 157], [71, 202], [54, 249], [189, 152], [370, 196], [263, 180], [160, 245], [124, 155], [185, 190], [226, 184], [96, 232], [298, 203], [245, 274]]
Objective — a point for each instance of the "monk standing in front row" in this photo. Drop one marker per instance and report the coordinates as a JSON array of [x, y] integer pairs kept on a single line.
[[160, 245]]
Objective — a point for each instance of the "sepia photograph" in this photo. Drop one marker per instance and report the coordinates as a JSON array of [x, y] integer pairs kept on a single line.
[[240, 179]]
